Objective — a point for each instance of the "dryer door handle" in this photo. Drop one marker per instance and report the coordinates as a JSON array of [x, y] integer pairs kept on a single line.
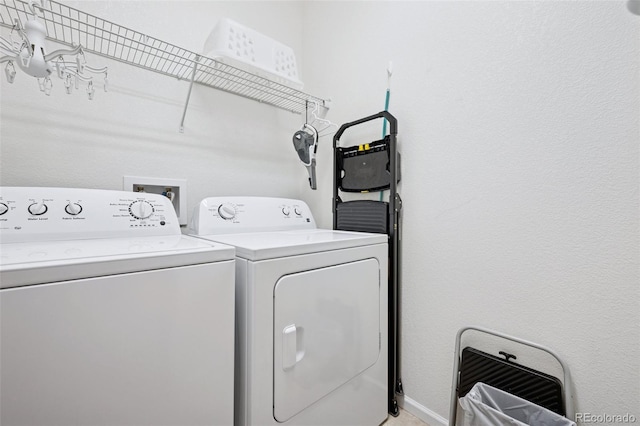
[[292, 346]]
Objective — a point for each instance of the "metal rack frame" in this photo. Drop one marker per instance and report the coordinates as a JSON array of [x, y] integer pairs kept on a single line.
[[73, 27], [369, 220], [566, 382]]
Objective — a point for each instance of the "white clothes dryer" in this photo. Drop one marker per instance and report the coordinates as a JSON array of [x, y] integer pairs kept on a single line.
[[311, 314], [109, 315]]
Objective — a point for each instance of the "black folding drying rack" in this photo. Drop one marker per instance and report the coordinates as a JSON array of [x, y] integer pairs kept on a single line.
[[364, 168]]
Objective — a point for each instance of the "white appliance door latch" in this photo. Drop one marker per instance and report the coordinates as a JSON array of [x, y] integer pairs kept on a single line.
[[292, 346]]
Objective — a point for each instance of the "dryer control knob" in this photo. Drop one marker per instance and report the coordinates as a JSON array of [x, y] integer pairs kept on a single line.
[[297, 210], [73, 209], [140, 209], [37, 209], [227, 211], [3, 208], [286, 211]]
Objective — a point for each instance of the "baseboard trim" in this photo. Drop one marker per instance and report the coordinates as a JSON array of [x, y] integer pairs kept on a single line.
[[422, 412]]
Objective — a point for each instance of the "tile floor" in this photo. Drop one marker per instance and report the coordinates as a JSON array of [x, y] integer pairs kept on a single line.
[[404, 419]]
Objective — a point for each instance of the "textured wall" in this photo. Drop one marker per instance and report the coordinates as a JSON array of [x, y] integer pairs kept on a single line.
[[519, 129]]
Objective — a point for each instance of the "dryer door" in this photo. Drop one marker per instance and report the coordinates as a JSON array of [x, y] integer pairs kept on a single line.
[[326, 331]]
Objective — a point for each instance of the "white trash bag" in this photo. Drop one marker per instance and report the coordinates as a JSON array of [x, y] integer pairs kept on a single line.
[[485, 405]]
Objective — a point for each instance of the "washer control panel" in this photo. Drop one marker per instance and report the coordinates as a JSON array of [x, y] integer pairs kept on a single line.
[[226, 215], [49, 214]]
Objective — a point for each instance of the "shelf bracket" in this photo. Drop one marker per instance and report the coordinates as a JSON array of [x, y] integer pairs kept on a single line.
[[186, 104]]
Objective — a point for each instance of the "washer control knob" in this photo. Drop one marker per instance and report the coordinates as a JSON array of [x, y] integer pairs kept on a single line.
[[3, 208], [37, 209], [286, 211], [227, 211], [73, 209], [297, 210], [140, 209]]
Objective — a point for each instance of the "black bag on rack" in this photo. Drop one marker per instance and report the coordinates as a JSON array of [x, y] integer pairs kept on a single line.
[[365, 168]]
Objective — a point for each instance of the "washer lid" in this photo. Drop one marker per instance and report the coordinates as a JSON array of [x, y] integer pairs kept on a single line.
[[52, 261], [270, 245]]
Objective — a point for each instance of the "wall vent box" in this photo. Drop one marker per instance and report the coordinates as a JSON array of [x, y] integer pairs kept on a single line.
[[177, 187], [249, 50]]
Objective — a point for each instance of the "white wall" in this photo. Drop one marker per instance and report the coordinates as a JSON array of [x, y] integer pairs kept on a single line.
[[519, 132], [519, 129], [231, 145]]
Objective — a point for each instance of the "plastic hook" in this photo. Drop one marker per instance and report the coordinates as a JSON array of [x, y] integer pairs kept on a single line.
[[10, 72], [48, 85]]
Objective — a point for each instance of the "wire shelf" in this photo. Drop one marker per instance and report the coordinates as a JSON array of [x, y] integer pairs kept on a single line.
[[73, 27]]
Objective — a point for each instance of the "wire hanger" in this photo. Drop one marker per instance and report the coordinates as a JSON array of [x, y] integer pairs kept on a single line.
[[323, 126]]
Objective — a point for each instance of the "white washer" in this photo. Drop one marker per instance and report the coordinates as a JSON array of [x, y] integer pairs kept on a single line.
[[109, 315], [311, 314]]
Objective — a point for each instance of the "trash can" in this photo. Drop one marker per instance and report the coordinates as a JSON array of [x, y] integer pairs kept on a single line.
[[485, 405]]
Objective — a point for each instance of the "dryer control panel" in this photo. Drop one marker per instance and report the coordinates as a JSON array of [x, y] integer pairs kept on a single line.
[[228, 215], [55, 214]]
